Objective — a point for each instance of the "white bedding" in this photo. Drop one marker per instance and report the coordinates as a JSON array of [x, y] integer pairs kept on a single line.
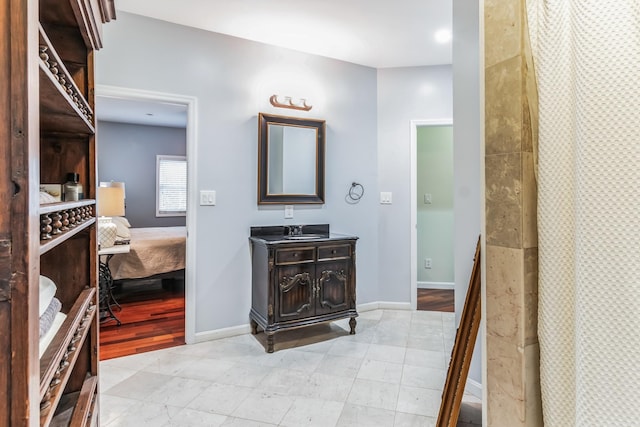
[[154, 250]]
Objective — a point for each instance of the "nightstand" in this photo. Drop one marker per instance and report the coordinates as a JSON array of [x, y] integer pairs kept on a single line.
[[106, 282]]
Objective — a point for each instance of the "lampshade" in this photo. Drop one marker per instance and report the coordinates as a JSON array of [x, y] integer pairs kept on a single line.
[[110, 201], [114, 184]]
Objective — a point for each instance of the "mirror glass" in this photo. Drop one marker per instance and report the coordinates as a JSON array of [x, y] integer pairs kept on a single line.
[[291, 160]]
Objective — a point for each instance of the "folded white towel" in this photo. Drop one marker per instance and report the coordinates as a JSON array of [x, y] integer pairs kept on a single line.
[[46, 320]]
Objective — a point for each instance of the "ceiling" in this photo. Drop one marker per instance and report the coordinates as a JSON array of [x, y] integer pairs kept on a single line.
[[373, 33]]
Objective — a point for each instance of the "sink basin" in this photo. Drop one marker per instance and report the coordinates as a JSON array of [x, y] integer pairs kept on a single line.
[[305, 237]]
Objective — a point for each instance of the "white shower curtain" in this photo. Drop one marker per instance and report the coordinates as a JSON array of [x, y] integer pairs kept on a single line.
[[587, 63]]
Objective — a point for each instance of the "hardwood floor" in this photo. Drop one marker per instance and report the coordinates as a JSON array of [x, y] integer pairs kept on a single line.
[[436, 300], [152, 318]]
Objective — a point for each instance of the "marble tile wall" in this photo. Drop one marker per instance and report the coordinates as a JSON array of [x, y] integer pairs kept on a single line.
[[513, 390]]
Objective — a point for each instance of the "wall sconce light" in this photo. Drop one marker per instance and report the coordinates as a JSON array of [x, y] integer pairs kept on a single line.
[[288, 103]]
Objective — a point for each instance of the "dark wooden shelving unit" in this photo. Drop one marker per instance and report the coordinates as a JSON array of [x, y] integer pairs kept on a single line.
[[47, 105]]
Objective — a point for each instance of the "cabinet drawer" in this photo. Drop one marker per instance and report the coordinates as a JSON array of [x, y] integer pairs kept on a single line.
[[334, 252], [295, 255]]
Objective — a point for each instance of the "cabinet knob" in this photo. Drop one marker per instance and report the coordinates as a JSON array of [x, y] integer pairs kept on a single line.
[[333, 251]]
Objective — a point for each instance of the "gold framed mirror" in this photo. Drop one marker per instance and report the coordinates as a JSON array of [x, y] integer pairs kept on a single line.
[[290, 160]]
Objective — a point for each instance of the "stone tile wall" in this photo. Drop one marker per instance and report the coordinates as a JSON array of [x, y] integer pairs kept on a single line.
[[513, 387]]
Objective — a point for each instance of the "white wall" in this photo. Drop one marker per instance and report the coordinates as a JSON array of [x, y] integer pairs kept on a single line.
[[233, 80], [404, 94], [467, 142]]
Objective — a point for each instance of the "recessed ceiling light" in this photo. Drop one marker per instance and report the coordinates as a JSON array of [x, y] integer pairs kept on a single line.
[[443, 35]]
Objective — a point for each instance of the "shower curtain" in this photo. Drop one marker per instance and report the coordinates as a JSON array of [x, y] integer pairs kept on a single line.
[[586, 57]]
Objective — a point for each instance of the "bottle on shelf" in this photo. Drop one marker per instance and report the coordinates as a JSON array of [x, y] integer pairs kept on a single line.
[[72, 188]]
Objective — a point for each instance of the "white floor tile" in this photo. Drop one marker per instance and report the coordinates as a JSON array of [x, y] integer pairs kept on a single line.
[[241, 422], [386, 353], [192, 418], [264, 406], [374, 393], [339, 366], [220, 399], [326, 387], [178, 391], [412, 420], [139, 385], [416, 376], [380, 371], [359, 416], [419, 401], [204, 369], [307, 412], [146, 414], [390, 373]]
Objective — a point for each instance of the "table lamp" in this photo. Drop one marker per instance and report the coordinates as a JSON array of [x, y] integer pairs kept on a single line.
[[110, 203]]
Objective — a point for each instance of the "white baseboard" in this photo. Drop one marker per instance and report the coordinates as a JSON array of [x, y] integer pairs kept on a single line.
[[384, 305], [217, 334], [245, 329], [473, 388], [436, 285]]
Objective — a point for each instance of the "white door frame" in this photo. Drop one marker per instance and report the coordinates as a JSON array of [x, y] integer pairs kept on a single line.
[[414, 204], [192, 119]]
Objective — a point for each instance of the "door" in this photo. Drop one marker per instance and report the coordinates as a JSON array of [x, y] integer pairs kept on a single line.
[[294, 292], [332, 287]]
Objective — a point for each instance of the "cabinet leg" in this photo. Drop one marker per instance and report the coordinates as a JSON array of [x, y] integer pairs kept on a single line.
[[270, 343], [352, 325], [254, 326]]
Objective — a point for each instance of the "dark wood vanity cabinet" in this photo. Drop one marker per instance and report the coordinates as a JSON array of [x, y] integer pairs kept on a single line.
[[302, 282]]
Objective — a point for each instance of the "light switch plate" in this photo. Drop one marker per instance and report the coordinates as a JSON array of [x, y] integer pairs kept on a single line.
[[207, 198], [385, 198], [427, 198]]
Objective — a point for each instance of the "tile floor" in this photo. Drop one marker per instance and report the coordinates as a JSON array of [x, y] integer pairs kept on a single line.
[[390, 373]]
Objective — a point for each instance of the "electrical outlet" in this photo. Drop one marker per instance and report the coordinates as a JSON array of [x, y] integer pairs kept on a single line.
[[427, 263], [288, 211]]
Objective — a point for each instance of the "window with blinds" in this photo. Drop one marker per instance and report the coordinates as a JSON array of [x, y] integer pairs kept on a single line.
[[171, 185]]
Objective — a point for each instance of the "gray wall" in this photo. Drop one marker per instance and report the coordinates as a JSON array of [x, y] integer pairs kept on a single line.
[[404, 94], [467, 153], [233, 80], [127, 153]]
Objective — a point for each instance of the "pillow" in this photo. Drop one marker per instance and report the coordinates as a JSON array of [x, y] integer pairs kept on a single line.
[[47, 292], [46, 198], [122, 227]]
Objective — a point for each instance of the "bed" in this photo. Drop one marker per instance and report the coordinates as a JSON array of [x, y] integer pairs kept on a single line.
[[154, 251]]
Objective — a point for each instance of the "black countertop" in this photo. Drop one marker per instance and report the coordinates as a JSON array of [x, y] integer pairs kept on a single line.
[[292, 234]]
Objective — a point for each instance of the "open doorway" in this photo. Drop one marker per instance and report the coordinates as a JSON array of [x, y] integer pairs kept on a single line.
[[143, 142], [432, 214]]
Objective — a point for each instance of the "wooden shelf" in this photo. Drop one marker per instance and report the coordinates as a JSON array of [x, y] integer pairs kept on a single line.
[[49, 56], [47, 245], [57, 362], [63, 206], [49, 131], [78, 408], [58, 112]]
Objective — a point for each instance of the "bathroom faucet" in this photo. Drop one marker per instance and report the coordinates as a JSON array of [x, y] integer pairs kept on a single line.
[[295, 230]]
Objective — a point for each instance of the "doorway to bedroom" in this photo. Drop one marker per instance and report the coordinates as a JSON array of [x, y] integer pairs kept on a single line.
[[142, 147]]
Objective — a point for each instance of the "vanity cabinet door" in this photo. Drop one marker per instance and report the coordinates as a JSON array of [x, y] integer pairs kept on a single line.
[[294, 292], [332, 286]]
